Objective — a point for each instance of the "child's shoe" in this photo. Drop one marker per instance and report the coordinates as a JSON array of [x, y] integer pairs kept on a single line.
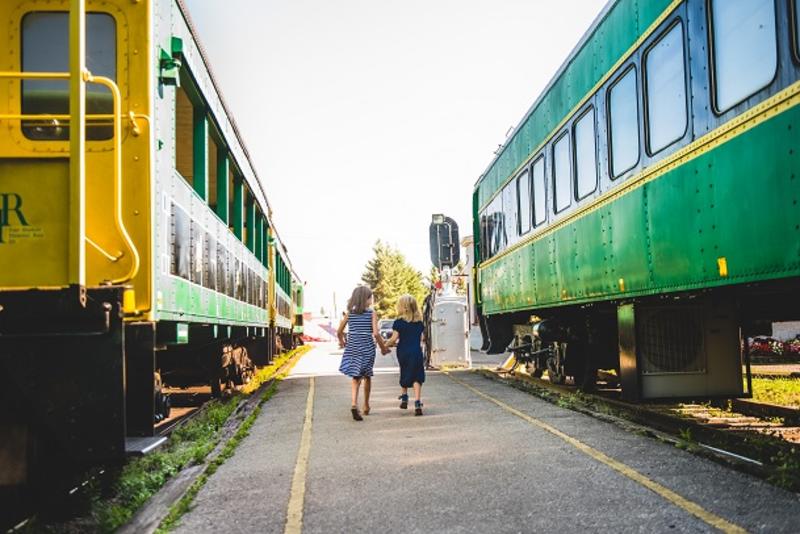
[[417, 408], [403, 401]]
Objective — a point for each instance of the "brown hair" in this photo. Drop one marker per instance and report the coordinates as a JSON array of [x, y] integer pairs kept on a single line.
[[408, 310], [358, 302]]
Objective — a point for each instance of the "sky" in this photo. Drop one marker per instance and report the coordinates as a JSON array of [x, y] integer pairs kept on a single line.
[[365, 117]]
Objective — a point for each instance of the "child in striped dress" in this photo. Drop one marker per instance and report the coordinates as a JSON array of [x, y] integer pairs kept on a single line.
[[359, 345]]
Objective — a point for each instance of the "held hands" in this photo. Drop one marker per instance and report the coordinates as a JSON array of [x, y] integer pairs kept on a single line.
[[385, 350]]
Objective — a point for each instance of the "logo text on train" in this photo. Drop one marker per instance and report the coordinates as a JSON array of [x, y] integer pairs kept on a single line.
[[10, 205]]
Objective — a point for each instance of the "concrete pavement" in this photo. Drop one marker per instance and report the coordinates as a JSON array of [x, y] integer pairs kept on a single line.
[[483, 458]]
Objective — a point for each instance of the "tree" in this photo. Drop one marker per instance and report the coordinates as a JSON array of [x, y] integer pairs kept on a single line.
[[389, 276]]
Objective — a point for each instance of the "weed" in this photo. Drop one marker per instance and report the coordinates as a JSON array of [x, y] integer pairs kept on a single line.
[[781, 391], [184, 505], [686, 441], [786, 473]]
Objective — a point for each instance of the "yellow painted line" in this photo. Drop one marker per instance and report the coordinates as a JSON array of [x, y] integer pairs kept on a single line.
[[294, 513], [679, 501]]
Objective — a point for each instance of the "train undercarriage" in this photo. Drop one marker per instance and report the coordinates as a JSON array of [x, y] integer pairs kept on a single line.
[[82, 385], [689, 345]]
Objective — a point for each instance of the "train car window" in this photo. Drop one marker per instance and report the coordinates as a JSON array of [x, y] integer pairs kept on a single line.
[[665, 76], [562, 173], [196, 273], [248, 286], [797, 29], [744, 49], [211, 152], [510, 214], [623, 123], [184, 135], [181, 239], [222, 269], [239, 283], [484, 249], [210, 276], [524, 202], [45, 48], [539, 193], [231, 269], [585, 155], [499, 238]]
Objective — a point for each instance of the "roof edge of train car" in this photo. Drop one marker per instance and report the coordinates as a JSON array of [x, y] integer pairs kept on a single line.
[[584, 40], [184, 10]]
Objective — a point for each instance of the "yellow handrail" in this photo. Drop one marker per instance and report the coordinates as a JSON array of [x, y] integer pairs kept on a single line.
[[120, 224], [117, 118]]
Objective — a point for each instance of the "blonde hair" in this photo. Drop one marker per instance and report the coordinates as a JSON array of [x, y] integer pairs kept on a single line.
[[408, 310], [359, 300]]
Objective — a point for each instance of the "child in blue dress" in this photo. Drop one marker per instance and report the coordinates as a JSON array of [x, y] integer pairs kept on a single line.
[[407, 335], [359, 345]]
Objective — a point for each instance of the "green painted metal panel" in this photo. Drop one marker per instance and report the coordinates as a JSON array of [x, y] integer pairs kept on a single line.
[[200, 151], [257, 236], [223, 195], [250, 215], [622, 25], [238, 206], [628, 255]]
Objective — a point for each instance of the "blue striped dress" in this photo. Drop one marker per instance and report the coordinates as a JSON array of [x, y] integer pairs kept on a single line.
[[359, 353]]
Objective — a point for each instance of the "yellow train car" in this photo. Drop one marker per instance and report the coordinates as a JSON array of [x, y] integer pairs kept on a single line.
[[139, 251]]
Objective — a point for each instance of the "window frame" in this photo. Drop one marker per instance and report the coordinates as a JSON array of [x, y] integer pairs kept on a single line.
[[609, 125], [556, 140], [712, 70], [510, 189], [119, 69], [794, 7], [677, 21], [536, 160], [578, 118], [520, 232]]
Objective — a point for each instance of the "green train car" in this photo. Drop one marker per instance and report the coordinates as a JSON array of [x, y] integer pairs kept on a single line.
[[298, 291], [643, 216]]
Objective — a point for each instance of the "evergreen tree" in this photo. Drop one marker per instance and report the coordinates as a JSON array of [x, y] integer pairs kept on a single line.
[[389, 276]]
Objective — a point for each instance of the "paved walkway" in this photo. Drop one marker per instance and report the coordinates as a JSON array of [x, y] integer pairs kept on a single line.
[[483, 458]]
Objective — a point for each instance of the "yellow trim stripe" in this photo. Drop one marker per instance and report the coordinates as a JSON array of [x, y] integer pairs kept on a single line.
[[294, 513], [625, 57], [679, 501], [748, 120]]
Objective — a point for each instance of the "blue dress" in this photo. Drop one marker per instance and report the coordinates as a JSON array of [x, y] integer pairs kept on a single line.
[[359, 353], [409, 352]]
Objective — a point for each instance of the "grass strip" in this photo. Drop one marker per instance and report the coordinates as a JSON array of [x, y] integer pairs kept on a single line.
[[180, 508], [780, 391], [188, 445]]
